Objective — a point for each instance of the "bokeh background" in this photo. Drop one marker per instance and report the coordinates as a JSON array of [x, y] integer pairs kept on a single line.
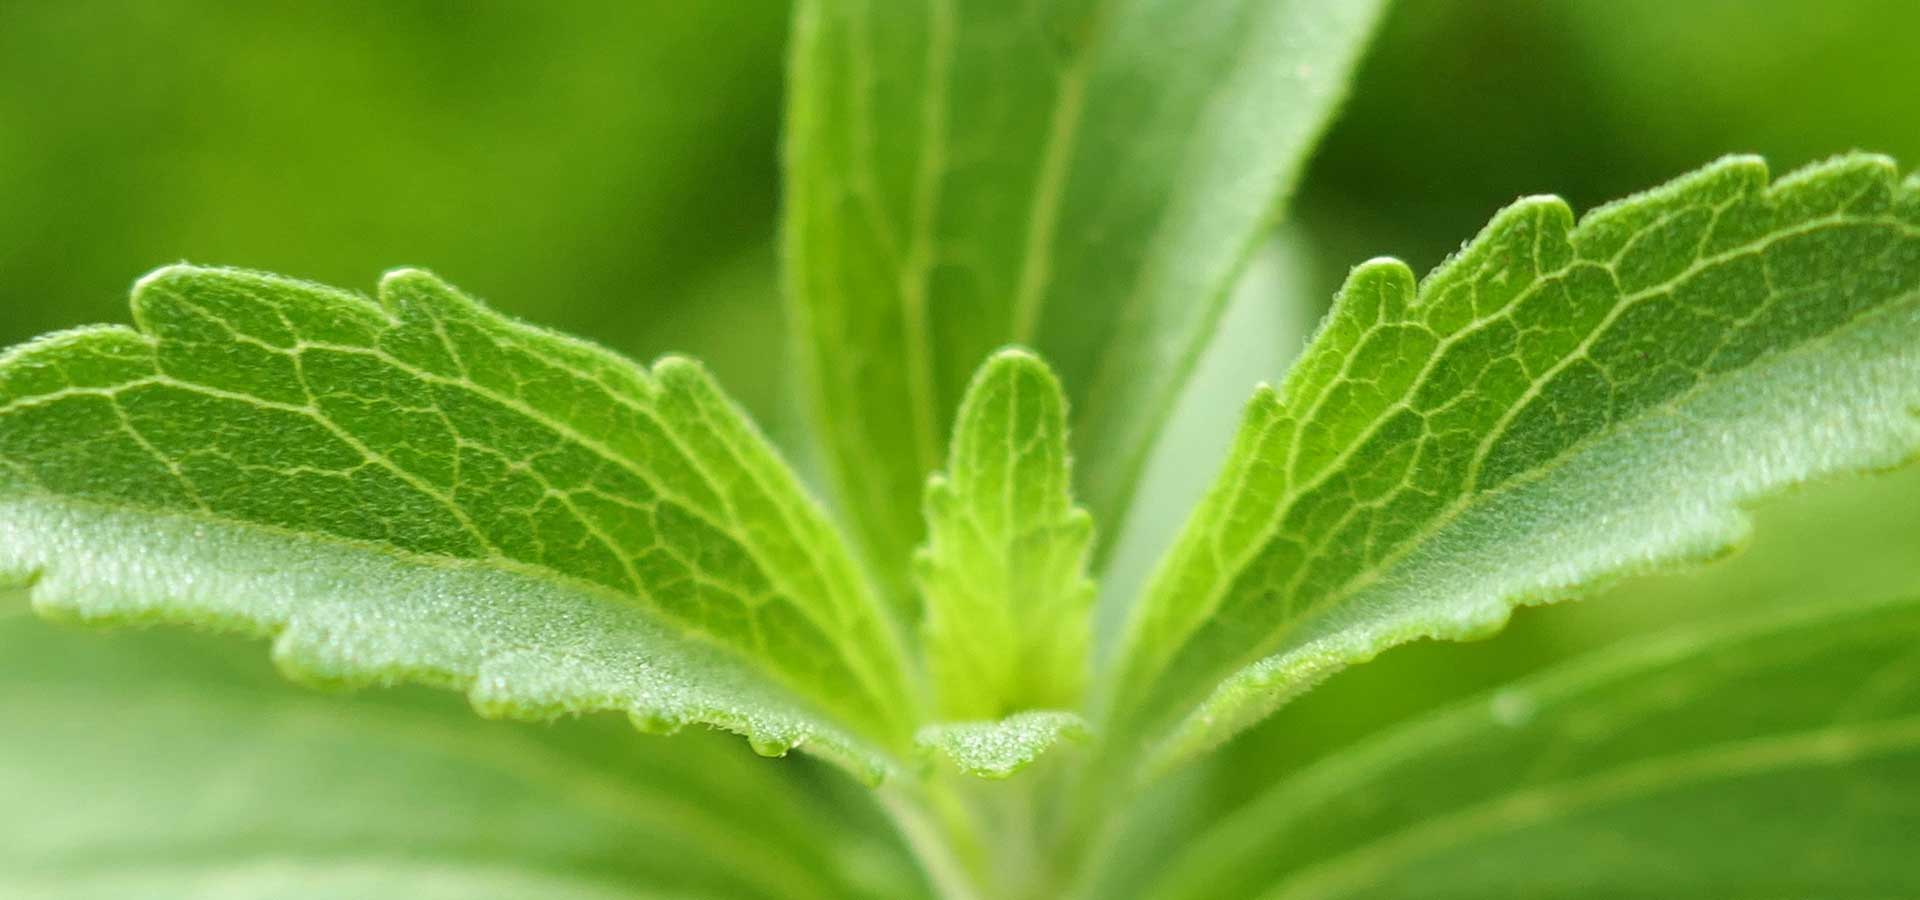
[[611, 168]]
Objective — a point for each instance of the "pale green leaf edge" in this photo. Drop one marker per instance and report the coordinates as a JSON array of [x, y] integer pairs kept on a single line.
[[91, 564], [998, 749]]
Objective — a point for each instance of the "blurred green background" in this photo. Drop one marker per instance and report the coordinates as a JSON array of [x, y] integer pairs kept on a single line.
[[607, 168], [611, 169]]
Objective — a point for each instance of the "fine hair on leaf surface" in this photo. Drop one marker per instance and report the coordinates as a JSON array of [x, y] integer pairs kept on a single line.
[[1553, 407], [1003, 574], [415, 488], [1007, 237], [419, 489]]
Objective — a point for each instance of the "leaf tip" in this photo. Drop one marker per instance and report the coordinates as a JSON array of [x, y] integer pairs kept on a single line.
[[1379, 288], [1014, 354], [410, 284], [1849, 169], [168, 274], [1383, 268], [1744, 163], [675, 367], [1011, 361], [1552, 208], [411, 276], [169, 279]]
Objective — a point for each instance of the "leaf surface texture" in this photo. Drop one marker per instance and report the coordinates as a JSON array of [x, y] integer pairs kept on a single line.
[[1004, 573], [417, 488], [1554, 406]]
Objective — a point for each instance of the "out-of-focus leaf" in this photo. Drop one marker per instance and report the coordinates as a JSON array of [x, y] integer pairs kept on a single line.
[[1845, 541], [1756, 758], [167, 765]]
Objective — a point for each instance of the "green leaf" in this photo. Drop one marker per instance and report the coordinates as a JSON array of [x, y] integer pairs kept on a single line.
[[1003, 574], [1085, 177], [1555, 406], [419, 489], [161, 765], [1842, 542], [1761, 758]]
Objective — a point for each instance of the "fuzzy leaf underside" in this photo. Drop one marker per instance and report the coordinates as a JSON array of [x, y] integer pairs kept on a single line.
[[961, 176], [1003, 575], [1777, 754], [157, 764], [420, 489], [1555, 406]]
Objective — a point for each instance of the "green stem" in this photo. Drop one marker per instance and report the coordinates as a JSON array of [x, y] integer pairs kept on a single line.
[[979, 839], [940, 836]]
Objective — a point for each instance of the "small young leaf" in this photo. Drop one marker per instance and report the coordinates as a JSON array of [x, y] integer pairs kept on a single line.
[[1778, 753], [1555, 406], [1003, 575], [1082, 176], [421, 489], [156, 765]]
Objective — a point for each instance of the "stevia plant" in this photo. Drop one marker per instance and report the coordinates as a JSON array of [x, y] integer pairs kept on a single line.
[[1009, 235]]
